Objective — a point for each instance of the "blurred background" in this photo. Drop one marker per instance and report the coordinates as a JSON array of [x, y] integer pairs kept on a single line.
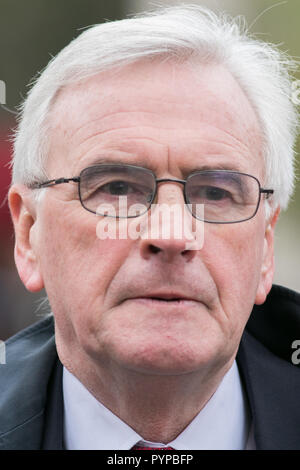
[[31, 32]]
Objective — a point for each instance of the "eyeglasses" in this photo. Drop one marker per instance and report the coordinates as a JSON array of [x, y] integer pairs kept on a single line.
[[125, 191]]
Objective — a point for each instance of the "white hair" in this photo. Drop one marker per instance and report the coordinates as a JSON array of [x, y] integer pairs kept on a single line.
[[179, 33]]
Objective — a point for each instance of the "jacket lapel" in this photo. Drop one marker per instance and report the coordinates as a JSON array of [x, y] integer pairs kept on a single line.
[[53, 424], [272, 385], [30, 356]]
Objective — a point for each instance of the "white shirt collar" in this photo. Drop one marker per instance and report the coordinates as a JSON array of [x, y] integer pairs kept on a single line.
[[223, 424]]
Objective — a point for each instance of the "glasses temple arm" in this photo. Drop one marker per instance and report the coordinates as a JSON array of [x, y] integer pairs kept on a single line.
[[46, 184], [267, 192]]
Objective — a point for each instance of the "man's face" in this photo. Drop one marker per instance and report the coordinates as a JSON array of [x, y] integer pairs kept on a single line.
[[173, 119]]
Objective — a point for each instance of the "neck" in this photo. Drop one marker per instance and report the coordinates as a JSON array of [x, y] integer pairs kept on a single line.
[[158, 407]]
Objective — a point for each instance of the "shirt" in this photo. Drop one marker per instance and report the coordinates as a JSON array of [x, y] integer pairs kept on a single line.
[[223, 423]]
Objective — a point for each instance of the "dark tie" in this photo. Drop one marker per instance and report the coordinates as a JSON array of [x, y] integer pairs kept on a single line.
[[140, 447]]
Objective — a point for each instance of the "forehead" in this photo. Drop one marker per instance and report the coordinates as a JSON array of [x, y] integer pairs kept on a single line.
[[187, 107]]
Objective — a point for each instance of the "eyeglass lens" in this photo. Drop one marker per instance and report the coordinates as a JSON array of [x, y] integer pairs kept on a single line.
[[117, 190], [128, 191]]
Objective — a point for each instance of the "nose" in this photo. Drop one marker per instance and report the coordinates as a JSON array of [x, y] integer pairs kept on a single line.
[[166, 250], [169, 232]]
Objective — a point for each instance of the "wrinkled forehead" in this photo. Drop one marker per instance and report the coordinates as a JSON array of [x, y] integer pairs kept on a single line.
[[188, 99]]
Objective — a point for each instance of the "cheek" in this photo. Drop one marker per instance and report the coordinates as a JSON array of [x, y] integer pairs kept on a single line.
[[77, 266], [233, 255]]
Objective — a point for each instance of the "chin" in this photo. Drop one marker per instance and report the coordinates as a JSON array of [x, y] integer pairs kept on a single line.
[[165, 358]]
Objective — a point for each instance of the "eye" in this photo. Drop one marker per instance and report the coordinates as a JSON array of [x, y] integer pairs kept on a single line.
[[210, 193], [116, 188], [214, 193]]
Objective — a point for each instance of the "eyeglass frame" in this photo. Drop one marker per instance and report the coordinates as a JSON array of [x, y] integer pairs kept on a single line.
[[76, 179]]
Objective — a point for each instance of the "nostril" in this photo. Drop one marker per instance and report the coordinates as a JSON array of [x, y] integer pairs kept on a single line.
[[154, 249]]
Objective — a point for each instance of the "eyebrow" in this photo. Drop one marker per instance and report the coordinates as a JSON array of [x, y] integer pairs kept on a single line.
[[117, 161], [217, 166], [145, 164]]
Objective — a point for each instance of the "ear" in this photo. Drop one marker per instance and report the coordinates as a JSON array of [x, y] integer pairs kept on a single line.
[[23, 212], [267, 268]]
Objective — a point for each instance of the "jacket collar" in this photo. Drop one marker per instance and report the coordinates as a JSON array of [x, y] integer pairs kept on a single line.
[[272, 386], [270, 378], [53, 422], [30, 357]]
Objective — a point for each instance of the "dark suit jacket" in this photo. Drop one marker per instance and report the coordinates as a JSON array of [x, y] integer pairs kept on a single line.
[[31, 404]]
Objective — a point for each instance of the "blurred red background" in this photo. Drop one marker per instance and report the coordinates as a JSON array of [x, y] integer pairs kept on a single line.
[[6, 229]]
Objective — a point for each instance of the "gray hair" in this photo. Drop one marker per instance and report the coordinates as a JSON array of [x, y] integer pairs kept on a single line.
[[178, 33]]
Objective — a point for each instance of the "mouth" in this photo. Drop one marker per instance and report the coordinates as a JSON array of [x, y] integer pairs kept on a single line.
[[167, 298]]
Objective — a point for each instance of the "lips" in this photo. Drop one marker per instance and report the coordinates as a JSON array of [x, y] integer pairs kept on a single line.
[[165, 297]]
